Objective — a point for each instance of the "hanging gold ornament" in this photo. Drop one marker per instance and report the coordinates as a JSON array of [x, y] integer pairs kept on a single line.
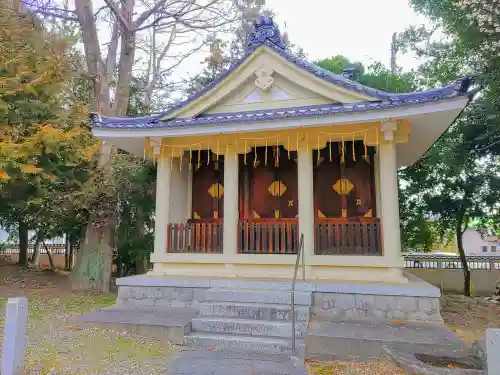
[[255, 155], [342, 156], [277, 163], [208, 157], [366, 147], [265, 155], [245, 155], [199, 159], [330, 147], [318, 147], [353, 149]]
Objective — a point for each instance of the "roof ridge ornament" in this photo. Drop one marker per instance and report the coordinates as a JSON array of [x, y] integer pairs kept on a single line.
[[265, 31]]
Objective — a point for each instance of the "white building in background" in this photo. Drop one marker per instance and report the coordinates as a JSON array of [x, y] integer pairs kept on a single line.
[[478, 242]]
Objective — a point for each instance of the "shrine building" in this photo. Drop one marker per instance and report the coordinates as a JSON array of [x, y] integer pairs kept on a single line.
[[275, 148]]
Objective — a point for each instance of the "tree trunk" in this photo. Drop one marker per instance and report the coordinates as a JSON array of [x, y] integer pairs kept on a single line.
[[35, 259], [49, 255], [463, 258], [141, 265], [67, 246], [92, 270], [71, 260], [23, 243]]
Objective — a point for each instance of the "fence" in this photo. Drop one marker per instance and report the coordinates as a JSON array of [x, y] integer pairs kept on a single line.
[[445, 271], [13, 249], [437, 261]]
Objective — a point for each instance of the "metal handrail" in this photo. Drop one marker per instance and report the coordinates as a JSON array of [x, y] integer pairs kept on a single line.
[[292, 295]]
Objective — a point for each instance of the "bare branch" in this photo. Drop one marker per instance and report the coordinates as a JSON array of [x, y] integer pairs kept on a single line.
[[118, 14], [50, 11], [148, 13], [99, 10], [112, 50]]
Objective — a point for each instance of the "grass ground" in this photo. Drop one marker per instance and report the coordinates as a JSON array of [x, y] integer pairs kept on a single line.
[[57, 346]]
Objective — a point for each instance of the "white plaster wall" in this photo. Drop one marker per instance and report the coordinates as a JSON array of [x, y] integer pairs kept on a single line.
[[179, 192], [473, 244]]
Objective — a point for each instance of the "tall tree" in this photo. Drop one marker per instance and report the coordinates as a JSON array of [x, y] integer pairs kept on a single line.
[[41, 124], [470, 44], [111, 72]]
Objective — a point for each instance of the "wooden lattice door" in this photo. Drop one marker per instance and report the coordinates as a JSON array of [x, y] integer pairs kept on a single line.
[[208, 187], [344, 187]]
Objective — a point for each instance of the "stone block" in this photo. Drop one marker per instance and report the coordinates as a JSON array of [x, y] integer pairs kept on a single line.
[[428, 305], [365, 305], [336, 305], [406, 304], [488, 350], [14, 341], [183, 294], [200, 294], [385, 303]]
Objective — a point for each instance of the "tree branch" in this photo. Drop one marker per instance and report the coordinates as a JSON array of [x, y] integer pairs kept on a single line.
[[146, 14], [117, 12]]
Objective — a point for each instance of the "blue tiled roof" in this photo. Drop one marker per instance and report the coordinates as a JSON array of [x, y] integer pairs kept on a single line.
[[267, 34], [154, 122]]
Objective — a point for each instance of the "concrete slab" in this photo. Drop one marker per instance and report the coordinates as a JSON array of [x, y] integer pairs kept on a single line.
[[417, 362], [168, 324], [415, 287], [241, 342], [230, 362], [256, 311], [258, 295], [248, 326], [351, 340]]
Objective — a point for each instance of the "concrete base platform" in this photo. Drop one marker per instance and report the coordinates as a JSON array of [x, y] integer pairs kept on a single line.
[[415, 300], [361, 340], [334, 319], [163, 323]]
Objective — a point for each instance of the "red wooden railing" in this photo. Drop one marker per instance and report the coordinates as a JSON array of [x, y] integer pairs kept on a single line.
[[268, 236], [195, 237], [349, 236]]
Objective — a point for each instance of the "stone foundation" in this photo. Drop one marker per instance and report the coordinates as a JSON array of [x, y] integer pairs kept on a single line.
[[336, 306], [413, 301]]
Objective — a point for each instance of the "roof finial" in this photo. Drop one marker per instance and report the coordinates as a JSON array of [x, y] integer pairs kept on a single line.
[[266, 32]]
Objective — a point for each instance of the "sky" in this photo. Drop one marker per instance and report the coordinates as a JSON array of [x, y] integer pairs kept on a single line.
[[358, 29], [361, 30]]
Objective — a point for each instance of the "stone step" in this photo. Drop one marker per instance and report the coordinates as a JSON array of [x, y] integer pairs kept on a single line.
[[165, 323], [260, 344], [280, 297], [364, 341], [255, 311], [248, 327]]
